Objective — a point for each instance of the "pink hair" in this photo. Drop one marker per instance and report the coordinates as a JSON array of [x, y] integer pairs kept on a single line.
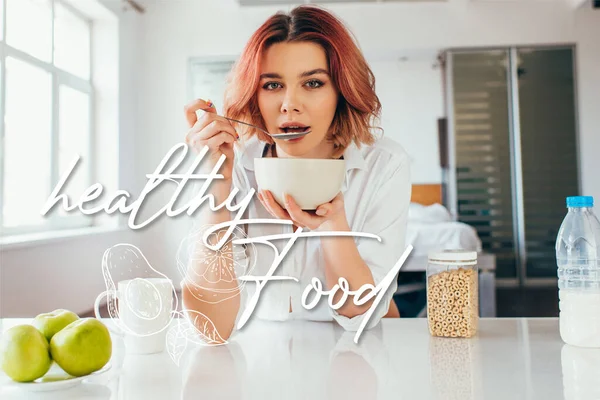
[[358, 104]]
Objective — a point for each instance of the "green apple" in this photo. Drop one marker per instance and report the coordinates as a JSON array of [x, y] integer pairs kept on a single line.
[[51, 323], [24, 353], [82, 347]]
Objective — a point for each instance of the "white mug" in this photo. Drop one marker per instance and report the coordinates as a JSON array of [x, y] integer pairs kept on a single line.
[[144, 312]]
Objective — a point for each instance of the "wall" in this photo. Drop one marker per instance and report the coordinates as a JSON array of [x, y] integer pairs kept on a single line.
[[65, 272], [412, 99], [587, 31]]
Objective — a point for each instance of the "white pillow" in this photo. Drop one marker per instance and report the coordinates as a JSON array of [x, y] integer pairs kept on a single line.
[[433, 213]]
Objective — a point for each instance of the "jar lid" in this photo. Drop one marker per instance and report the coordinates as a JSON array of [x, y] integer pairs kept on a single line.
[[459, 256]]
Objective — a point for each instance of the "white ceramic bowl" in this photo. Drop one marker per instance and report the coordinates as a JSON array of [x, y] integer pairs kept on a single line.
[[311, 182]]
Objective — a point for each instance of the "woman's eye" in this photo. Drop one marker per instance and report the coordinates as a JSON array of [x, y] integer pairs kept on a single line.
[[271, 85], [314, 84]]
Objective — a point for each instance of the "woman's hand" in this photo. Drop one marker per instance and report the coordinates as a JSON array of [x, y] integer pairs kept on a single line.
[[326, 214], [216, 133]]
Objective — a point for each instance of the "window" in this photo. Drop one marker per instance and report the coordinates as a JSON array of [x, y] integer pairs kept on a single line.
[[46, 98]]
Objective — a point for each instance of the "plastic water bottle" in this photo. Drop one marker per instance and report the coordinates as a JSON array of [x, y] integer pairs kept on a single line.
[[578, 258]]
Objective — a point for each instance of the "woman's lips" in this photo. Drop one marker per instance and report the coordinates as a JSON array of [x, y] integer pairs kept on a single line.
[[295, 130], [295, 140]]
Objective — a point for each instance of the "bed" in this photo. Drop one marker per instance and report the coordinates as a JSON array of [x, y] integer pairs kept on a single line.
[[431, 227]]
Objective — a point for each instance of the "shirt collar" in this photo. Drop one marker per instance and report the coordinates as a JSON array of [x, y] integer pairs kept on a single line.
[[254, 148], [354, 158]]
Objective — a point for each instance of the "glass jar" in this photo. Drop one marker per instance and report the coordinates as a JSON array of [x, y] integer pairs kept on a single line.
[[452, 293]]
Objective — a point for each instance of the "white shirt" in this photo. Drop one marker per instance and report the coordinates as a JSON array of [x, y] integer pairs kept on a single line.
[[376, 194]]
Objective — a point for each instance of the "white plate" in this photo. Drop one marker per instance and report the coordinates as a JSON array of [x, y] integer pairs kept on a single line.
[[57, 379]]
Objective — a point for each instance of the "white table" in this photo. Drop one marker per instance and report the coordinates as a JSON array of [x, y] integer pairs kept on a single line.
[[510, 359]]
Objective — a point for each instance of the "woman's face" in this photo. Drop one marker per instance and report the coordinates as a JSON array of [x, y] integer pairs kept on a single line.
[[295, 87]]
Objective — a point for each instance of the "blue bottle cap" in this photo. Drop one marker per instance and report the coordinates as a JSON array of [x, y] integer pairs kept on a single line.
[[580, 201]]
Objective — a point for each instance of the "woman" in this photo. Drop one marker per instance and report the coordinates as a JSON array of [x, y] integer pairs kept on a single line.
[[304, 69]]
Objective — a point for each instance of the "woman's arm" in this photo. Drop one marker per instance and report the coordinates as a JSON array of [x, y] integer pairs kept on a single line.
[[369, 261], [342, 260], [217, 299]]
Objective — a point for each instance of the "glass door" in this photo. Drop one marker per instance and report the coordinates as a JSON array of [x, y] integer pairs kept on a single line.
[[546, 87], [514, 152], [482, 151]]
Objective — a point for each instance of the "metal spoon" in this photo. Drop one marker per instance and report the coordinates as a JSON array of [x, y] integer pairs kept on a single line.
[[284, 136]]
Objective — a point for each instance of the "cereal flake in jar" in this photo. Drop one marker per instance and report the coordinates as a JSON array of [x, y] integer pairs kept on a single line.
[[452, 293]]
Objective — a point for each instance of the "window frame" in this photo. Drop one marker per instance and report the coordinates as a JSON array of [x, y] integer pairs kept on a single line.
[[59, 77]]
